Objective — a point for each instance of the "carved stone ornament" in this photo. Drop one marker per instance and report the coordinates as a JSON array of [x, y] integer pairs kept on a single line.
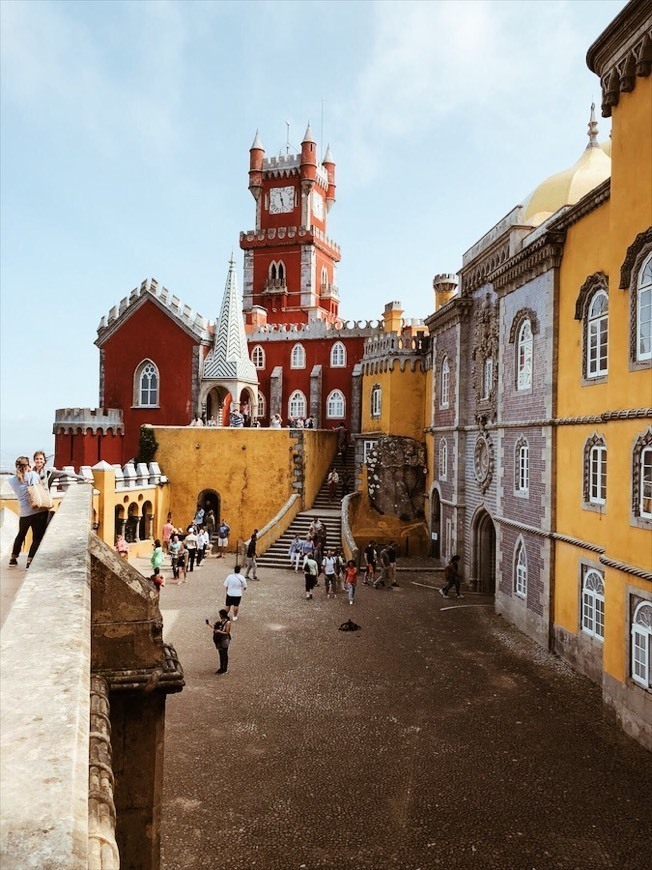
[[485, 354], [396, 477], [483, 462]]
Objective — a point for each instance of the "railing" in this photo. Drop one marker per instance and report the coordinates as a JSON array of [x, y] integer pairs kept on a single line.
[[279, 524], [349, 545], [276, 285], [394, 345], [329, 291]]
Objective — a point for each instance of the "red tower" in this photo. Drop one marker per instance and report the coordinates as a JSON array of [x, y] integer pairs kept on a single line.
[[289, 261]]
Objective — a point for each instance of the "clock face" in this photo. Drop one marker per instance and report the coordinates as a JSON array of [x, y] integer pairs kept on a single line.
[[281, 200], [317, 205]]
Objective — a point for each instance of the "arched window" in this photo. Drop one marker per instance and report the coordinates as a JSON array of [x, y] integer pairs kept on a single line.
[[487, 378], [376, 400], [258, 357], [642, 645], [520, 571], [298, 357], [277, 271], [644, 311], [335, 405], [324, 278], [444, 383], [338, 355], [297, 403], [262, 405], [597, 335], [443, 459], [595, 483], [593, 603], [522, 467], [646, 483], [146, 385], [524, 356]]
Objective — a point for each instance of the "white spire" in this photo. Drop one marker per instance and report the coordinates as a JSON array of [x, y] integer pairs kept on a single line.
[[257, 143], [328, 157], [229, 359], [308, 136], [592, 132]]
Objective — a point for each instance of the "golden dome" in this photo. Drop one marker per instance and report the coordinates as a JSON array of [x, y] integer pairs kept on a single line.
[[570, 185]]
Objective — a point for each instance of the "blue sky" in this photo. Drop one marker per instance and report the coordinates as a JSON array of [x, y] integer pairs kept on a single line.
[[124, 136]]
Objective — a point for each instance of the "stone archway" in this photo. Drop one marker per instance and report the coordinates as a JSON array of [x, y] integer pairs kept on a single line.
[[218, 402], [484, 553], [210, 500], [435, 524]]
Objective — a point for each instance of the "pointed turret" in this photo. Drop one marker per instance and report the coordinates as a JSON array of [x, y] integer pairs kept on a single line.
[[256, 156], [592, 132], [308, 165], [329, 166]]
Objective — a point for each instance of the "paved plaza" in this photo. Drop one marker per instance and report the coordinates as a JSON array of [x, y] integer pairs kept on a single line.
[[435, 737]]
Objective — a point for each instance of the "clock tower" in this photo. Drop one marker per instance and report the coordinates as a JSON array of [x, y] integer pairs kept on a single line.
[[289, 261]]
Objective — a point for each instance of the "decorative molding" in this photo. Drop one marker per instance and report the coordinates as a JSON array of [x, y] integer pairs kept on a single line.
[[639, 246], [590, 202], [521, 315], [514, 524], [595, 282], [449, 315], [102, 846], [485, 348], [626, 568], [636, 254], [483, 461], [168, 678], [576, 542], [535, 259], [594, 441], [643, 441], [592, 420]]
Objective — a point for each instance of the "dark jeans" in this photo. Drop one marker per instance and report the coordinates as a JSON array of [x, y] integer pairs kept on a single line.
[[311, 582], [200, 555], [454, 581], [38, 524], [191, 559], [224, 658]]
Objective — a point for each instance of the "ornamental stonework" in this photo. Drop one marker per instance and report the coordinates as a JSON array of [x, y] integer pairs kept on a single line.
[[396, 477], [485, 360], [483, 461]]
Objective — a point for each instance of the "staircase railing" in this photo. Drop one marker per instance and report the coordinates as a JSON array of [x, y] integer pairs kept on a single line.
[[349, 546], [279, 524]]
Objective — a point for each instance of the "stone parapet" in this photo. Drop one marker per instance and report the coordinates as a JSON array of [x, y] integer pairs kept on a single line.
[[70, 420]]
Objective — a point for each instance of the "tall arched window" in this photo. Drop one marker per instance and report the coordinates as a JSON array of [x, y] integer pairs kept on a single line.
[[258, 357], [593, 603], [376, 400], [338, 355], [297, 404], [597, 335], [644, 311], [646, 483], [335, 405], [520, 571], [277, 271], [262, 405], [642, 645], [298, 357], [324, 278], [444, 383], [487, 378], [443, 459], [522, 467], [146, 385], [524, 356], [598, 474]]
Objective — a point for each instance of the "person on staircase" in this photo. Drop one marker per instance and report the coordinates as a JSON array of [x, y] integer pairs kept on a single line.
[[294, 552], [333, 482]]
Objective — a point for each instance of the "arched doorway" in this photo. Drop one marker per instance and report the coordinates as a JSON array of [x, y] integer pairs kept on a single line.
[[131, 526], [119, 520], [435, 524], [484, 554], [145, 525], [218, 402], [210, 501]]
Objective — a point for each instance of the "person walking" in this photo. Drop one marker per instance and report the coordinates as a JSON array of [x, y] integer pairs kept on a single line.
[[121, 547], [235, 585], [384, 580], [202, 544], [328, 564], [190, 543], [222, 539], [307, 549], [370, 557], [310, 571], [168, 531], [174, 548], [222, 639], [251, 555], [333, 481], [182, 561], [30, 519], [156, 559], [351, 579], [294, 553], [393, 553], [452, 578]]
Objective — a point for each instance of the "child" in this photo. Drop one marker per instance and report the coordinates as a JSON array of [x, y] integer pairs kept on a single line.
[[351, 575], [157, 579]]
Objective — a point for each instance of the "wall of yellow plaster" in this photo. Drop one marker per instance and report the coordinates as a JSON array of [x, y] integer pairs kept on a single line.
[[319, 448], [403, 403]]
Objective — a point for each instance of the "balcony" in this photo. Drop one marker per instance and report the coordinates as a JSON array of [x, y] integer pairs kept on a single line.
[[275, 286], [329, 291]]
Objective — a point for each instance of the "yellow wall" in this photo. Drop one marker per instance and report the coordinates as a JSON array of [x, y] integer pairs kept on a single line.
[[319, 450], [403, 402]]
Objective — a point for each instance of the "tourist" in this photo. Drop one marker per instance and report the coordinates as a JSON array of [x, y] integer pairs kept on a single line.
[[452, 578], [174, 549], [347, 484], [168, 531], [383, 579], [307, 549], [30, 518], [370, 556], [236, 420], [157, 580], [342, 440], [190, 543], [222, 639], [393, 553], [318, 531], [294, 553], [121, 547], [310, 571], [328, 565], [48, 474], [156, 559], [351, 579], [203, 541], [310, 423], [199, 517], [182, 561], [210, 523], [235, 585], [333, 481], [276, 422], [251, 555], [223, 539]]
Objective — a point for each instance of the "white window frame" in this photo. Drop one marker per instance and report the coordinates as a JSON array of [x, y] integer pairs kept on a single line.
[[444, 383], [276, 271], [524, 356], [641, 650], [598, 474], [298, 357], [262, 405], [258, 357], [147, 367], [644, 311], [367, 447], [520, 571], [645, 483], [297, 405], [338, 356], [487, 377], [522, 467], [597, 337], [376, 400], [336, 405], [592, 616], [443, 459]]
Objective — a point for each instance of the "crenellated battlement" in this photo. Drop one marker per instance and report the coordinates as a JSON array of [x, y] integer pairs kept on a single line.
[[316, 329], [287, 235], [194, 321], [70, 420], [394, 345]]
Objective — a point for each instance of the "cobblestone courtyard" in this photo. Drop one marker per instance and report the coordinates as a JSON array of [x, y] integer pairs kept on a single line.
[[435, 737]]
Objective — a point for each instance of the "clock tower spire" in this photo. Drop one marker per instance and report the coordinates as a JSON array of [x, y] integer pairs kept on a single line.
[[289, 261]]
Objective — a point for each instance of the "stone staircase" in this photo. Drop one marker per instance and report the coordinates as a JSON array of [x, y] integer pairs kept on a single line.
[[329, 512]]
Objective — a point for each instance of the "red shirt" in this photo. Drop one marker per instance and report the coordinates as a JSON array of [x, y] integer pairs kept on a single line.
[[351, 575]]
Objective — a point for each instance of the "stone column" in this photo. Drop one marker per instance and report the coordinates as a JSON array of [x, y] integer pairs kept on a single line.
[[276, 392], [356, 398], [104, 481], [316, 395]]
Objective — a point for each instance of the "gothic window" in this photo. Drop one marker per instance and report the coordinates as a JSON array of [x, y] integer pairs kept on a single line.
[[597, 335], [277, 271], [520, 571], [522, 467], [524, 357], [642, 645], [324, 278], [262, 409], [338, 355], [443, 459], [298, 357], [644, 312], [487, 377], [335, 405], [444, 383], [258, 357], [297, 404], [593, 602], [642, 476], [595, 471], [146, 385], [376, 400]]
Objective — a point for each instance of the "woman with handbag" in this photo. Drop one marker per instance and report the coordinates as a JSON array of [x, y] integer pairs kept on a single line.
[[28, 488]]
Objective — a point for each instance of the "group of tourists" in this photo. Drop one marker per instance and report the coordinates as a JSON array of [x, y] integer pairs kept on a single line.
[[186, 548]]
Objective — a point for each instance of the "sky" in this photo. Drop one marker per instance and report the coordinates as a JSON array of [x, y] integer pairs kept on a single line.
[[125, 130]]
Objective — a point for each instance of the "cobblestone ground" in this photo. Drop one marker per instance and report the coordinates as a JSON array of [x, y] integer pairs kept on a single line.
[[435, 737]]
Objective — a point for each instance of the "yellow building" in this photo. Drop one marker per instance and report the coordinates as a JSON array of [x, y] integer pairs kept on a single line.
[[603, 458]]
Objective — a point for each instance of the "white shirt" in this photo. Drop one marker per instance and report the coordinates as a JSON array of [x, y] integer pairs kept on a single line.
[[328, 564], [190, 541], [235, 585]]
